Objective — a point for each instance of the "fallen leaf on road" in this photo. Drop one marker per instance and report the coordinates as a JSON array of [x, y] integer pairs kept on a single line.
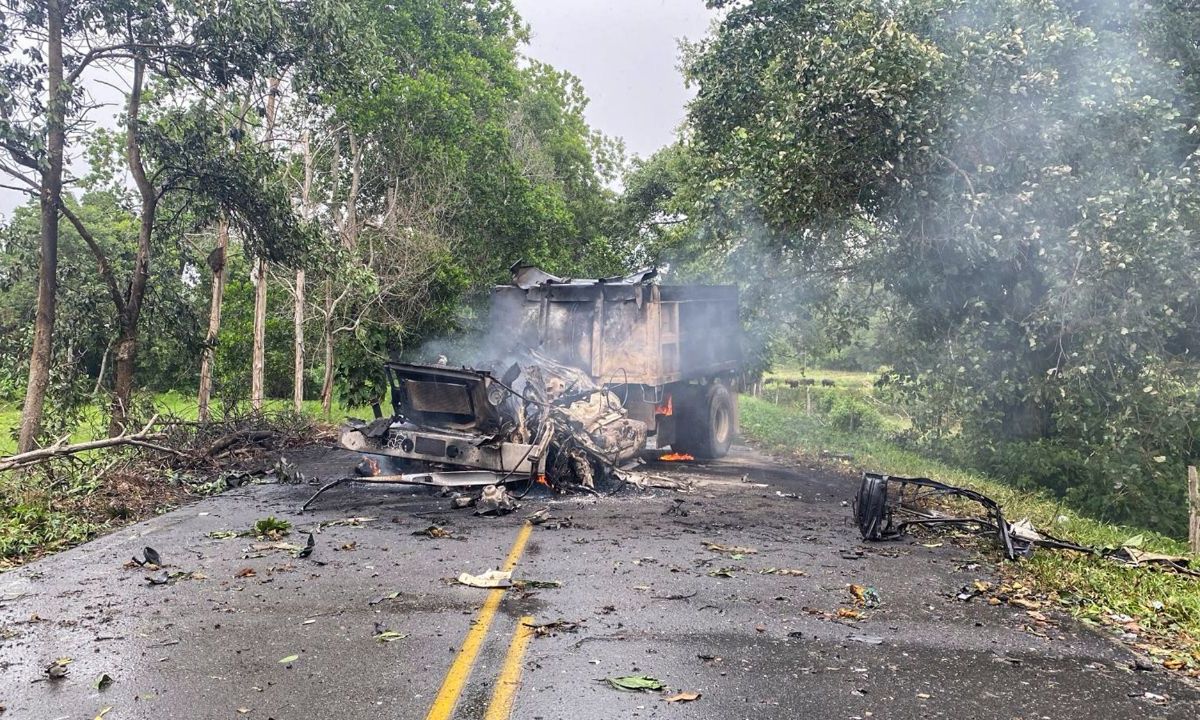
[[489, 579], [224, 534], [733, 549], [100, 715], [794, 572], [635, 683], [866, 639], [289, 659], [388, 636], [721, 572], [352, 521], [389, 596], [103, 681], [246, 572], [1024, 604], [849, 614], [682, 697]]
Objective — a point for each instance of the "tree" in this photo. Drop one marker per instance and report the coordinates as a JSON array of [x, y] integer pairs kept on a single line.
[[36, 147], [996, 169], [194, 45]]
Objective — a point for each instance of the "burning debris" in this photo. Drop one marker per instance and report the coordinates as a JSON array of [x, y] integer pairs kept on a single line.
[[591, 369]]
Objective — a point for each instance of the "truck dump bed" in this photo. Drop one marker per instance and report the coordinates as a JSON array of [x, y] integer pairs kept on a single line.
[[624, 330]]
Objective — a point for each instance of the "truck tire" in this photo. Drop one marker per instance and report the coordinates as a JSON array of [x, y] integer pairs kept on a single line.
[[707, 423]]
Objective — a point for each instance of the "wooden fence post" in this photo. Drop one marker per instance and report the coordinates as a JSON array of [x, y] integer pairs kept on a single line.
[[1193, 509]]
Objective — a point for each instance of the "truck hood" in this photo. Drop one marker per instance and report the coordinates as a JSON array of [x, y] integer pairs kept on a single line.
[[462, 399]]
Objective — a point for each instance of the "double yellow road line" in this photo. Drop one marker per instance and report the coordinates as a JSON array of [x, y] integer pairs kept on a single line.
[[510, 672]]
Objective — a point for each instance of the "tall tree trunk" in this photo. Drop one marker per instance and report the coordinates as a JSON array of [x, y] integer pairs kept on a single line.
[[258, 364], [41, 354], [327, 339], [216, 262], [298, 330], [348, 229], [298, 310], [126, 356], [258, 357]]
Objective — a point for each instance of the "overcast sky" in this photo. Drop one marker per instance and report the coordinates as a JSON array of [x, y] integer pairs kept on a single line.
[[626, 52]]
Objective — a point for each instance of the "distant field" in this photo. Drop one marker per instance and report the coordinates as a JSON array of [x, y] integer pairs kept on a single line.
[[841, 378]]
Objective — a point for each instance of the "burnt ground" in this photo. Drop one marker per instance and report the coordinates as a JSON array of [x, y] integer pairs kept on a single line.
[[647, 595]]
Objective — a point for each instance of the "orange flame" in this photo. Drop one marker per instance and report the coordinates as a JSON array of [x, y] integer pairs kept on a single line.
[[541, 480], [665, 409], [676, 457]]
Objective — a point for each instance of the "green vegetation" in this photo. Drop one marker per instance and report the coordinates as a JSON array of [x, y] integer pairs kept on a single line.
[[1165, 606], [990, 205], [995, 200], [271, 527]]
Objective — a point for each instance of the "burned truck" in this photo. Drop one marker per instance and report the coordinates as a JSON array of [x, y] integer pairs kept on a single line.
[[590, 373]]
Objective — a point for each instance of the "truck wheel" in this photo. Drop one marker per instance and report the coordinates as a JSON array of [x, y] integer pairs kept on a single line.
[[707, 424]]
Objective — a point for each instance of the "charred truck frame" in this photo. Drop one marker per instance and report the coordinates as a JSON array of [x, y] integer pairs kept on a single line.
[[592, 369]]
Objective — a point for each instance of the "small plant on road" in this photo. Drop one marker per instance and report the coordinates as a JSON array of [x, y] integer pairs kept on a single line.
[[272, 527]]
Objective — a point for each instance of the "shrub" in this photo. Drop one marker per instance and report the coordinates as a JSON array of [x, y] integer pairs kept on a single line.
[[851, 414]]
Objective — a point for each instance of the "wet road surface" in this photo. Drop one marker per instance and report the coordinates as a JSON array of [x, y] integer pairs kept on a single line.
[[640, 594]]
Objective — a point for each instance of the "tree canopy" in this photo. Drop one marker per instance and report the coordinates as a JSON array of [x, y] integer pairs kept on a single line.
[[1012, 182]]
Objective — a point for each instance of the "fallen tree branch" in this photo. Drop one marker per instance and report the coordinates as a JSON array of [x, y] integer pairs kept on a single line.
[[61, 448]]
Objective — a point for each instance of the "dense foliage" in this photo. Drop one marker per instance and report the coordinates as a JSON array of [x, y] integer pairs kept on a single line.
[[401, 156], [1011, 186]]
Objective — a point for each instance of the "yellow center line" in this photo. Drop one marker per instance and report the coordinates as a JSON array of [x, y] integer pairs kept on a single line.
[[510, 673], [460, 669]]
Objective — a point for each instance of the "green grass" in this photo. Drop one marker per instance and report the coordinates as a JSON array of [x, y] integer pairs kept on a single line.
[[840, 378], [1165, 606]]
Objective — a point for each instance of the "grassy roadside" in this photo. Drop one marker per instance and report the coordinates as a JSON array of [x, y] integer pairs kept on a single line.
[[1161, 609], [57, 506]]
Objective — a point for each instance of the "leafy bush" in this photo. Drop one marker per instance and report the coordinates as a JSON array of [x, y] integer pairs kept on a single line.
[[852, 414]]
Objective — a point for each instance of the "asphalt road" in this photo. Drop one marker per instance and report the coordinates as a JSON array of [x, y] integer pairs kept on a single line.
[[644, 593]]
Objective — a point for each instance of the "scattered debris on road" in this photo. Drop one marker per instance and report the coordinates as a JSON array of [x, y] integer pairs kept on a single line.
[[308, 547], [489, 579], [57, 670], [887, 505], [495, 500], [435, 532], [550, 629]]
